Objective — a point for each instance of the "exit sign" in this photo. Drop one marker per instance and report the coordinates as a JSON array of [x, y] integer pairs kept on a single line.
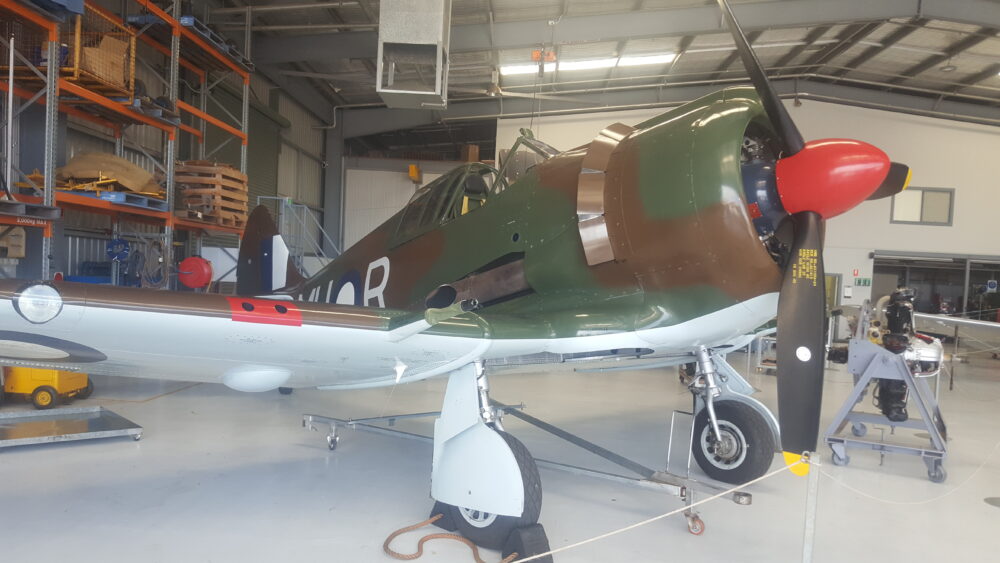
[[862, 282]]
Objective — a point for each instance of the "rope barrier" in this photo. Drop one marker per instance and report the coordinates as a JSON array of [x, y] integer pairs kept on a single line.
[[661, 516], [915, 502]]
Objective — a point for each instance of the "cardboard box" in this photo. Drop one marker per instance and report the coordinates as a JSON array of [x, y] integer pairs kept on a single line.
[[13, 244], [107, 60]]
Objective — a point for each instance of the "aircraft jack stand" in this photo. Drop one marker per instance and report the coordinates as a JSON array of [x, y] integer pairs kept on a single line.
[[868, 361], [663, 481]]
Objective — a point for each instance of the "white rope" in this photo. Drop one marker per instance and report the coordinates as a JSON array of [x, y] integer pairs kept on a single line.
[[915, 502], [661, 516]]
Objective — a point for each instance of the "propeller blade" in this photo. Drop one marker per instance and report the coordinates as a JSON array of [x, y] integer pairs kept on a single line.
[[801, 345], [788, 135], [895, 182]]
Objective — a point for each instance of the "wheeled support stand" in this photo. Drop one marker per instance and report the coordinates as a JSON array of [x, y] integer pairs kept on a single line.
[[868, 361], [468, 409]]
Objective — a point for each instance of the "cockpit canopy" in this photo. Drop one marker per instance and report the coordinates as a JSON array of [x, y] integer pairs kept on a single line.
[[454, 194]]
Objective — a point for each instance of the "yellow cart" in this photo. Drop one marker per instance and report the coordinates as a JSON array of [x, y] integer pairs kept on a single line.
[[45, 387]]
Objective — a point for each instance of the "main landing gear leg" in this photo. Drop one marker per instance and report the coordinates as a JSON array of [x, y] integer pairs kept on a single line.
[[734, 434], [482, 478]]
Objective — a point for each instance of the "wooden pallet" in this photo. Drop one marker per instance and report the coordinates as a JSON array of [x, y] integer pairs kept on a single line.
[[207, 203], [224, 218], [206, 170], [221, 192]]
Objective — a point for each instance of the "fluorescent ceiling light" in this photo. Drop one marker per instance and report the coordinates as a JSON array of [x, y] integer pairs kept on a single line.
[[647, 60], [525, 69], [588, 64], [591, 64]]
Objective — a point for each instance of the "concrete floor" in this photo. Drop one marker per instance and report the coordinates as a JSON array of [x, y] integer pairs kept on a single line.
[[226, 476]]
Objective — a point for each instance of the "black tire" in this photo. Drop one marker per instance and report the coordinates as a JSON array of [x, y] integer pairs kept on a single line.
[[749, 443], [285, 390], [44, 397], [491, 531], [87, 391]]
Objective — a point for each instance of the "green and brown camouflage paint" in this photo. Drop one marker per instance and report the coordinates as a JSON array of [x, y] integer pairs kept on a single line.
[[683, 240]]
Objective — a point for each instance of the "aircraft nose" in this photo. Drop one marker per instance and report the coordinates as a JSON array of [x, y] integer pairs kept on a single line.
[[830, 176]]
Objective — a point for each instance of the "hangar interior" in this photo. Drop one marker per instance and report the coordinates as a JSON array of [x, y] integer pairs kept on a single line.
[[175, 120]]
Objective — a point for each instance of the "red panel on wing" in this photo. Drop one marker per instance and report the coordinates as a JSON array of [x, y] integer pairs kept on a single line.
[[265, 311]]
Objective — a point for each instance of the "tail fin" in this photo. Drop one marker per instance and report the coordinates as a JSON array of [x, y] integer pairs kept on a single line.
[[264, 265]]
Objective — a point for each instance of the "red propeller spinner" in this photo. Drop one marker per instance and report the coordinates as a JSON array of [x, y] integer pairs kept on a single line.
[[830, 176]]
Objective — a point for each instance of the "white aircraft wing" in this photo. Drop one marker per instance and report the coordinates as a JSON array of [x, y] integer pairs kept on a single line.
[[248, 344]]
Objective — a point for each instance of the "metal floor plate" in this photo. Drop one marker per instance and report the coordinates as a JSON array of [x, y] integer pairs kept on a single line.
[[62, 425]]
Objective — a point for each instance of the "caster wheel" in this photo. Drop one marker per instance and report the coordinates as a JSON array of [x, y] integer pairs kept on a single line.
[[331, 441], [137, 437], [696, 525], [285, 390], [859, 429], [938, 474], [841, 461]]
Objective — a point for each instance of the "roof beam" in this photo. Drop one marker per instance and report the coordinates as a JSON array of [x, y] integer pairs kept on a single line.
[[871, 52], [692, 20], [360, 122], [989, 72], [847, 38], [811, 37], [303, 92], [976, 12], [735, 55], [956, 48]]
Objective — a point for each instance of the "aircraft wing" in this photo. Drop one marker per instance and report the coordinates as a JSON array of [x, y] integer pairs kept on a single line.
[[984, 333], [949, 321], [249, 344]]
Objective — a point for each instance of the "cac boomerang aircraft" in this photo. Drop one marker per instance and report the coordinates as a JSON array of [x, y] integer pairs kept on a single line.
[[674, 236]]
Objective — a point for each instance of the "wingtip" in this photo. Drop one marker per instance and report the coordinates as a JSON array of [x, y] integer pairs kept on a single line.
[[796, 464]]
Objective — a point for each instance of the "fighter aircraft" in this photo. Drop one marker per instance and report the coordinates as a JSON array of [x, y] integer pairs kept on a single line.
[[674, 236]]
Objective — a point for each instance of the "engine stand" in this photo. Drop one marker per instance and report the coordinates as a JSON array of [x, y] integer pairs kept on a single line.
[[869, 361]]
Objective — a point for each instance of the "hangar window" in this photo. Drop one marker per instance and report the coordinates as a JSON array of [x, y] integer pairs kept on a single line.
[[923, 206]]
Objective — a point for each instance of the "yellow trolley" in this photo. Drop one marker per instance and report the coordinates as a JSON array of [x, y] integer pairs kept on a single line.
[[45, 387]]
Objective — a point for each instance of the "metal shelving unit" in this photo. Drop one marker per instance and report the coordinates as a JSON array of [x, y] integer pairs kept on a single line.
[[49, 90], [182, 41]]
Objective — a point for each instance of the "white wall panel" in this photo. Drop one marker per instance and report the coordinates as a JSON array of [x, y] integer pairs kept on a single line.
[[372, 196]]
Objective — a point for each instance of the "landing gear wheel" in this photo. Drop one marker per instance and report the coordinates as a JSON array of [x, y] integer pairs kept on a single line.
[[285, 390], [696, 525], [840, 460], [87, 391], [44, 397], [332, 440], [937, 474], [859, 429], [746, 449], [491, 530]]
